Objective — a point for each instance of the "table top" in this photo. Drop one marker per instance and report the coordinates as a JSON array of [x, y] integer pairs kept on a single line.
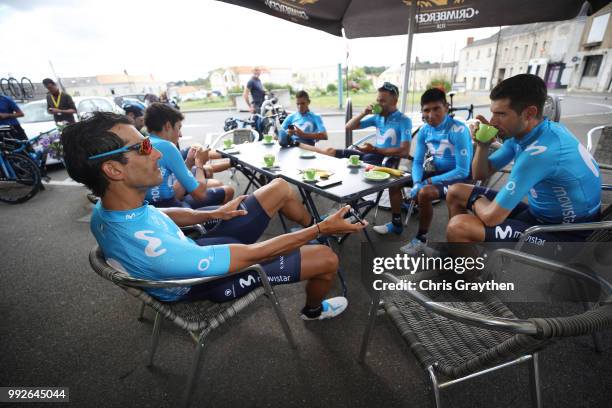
[[353, 187]]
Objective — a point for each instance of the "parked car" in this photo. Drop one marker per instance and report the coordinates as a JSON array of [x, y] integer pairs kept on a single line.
[[37, 120]]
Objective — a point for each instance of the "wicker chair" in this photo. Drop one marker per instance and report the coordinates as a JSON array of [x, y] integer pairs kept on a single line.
[[466, 336], [198, 318]]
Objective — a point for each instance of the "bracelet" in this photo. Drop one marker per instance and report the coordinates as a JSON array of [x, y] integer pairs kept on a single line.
[[318, 229]]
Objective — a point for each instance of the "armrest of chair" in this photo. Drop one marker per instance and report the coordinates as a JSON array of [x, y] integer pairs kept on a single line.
[[193, 231], [99, 264], [362, 140], [581, 226], [517, 326], [550, 265]]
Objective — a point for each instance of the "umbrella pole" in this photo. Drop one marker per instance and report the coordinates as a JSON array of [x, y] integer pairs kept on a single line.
[[411, 29]]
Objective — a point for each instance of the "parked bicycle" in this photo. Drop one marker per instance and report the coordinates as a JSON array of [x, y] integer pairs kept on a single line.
[[20, 90], [19, 176]]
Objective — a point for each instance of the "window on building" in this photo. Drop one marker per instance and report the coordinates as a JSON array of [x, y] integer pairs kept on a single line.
[[483, 83], [474, 83], [515, 53], [506, 53], [534, 49], [489, 52], [592, 65], [511, 70], [525, 50], [543, 51], [467, 56], [478, 54], [598, 29]]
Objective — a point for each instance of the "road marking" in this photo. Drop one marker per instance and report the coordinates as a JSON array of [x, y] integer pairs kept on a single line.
[[67, 182], [601, 104]]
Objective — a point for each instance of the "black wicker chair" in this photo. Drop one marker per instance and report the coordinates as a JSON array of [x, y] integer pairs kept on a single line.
[[465, 337], [198, 318]]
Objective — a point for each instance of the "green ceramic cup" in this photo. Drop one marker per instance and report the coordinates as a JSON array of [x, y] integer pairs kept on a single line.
[[310, 174], [485, 133], [376, 109], [354, 159], [227, 143], [268, 138], [269, 160]]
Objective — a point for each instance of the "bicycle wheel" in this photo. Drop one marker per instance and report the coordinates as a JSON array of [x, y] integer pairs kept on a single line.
[[14, 88], [27, 88], [4, 86], [20, 178]]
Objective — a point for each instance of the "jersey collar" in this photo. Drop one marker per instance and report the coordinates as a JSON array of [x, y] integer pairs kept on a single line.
[[121, 215], [443, 124], [533, 134]]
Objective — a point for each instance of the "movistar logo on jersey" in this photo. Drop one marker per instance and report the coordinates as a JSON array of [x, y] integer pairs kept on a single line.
[[567, 207], [153, 243], [389, 134], [535, 149]]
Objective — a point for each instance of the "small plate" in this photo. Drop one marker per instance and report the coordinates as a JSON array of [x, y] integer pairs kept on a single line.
[[355, 165], [306, 154], [229, 148], [315, 180], [374, 175], [274, 167], [268, 144]]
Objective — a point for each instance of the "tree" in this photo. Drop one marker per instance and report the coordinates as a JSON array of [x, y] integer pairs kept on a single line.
[[440, 83], [332, 88], [374, 70]]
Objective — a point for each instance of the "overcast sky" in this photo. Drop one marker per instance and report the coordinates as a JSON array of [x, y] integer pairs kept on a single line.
[[182, 39]]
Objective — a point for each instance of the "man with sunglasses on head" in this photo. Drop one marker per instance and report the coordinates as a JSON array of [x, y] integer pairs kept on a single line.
[[180, 187], [448, 142], [108, 155]]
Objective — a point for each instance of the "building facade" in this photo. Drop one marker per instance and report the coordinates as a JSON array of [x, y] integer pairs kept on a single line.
[[421, 74], [112, 85], [591, 65]]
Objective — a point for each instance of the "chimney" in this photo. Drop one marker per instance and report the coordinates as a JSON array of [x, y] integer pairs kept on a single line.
[[470, 40]]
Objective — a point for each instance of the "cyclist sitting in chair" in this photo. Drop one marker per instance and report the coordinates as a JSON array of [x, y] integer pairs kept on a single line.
[[9, 112], [557, 174], [302, 126], [108, 155], [180, 187], [393, 135], [448, 142]]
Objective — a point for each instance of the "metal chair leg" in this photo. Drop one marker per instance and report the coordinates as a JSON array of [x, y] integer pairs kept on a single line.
[[279, 312], [195, 370], [155, 337], [534, 374], [141, 312], [434, 387], [409, 214], [369, 327]]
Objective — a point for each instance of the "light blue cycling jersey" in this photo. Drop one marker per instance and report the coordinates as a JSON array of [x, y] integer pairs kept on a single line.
[[147, 244], [451, 147], [309, 123], [171, 163], [390, 131], [558, 172]]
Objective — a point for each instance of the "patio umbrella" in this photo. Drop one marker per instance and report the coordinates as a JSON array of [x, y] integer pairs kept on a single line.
[[375, 18]]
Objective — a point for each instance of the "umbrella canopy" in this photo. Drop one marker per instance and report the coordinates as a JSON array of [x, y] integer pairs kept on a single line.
[[375, 18]]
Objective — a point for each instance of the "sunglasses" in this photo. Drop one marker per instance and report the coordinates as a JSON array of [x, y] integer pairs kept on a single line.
[[143, 148], [388, 86]]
